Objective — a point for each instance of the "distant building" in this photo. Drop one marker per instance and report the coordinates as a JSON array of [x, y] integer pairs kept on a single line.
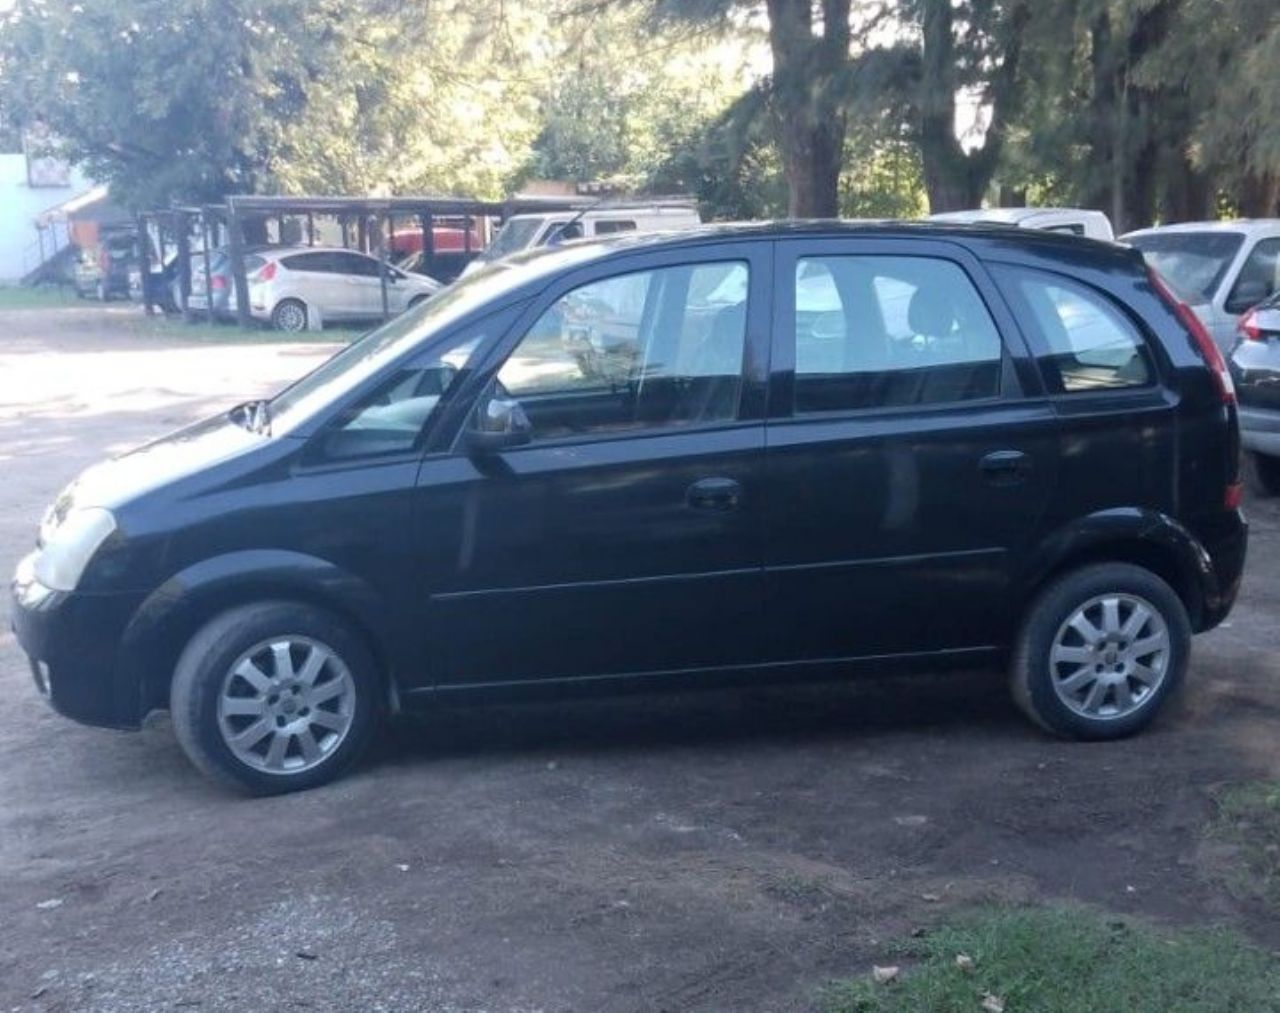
[[32, 192]]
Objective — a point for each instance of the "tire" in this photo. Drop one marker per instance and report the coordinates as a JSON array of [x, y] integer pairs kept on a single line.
[[290, 315], [212, 704], [1130, 683], [1266, 470]]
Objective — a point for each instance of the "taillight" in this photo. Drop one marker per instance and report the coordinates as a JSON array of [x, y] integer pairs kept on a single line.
[[218, 282], [1248, 326], [267, 272], [1209, 351]]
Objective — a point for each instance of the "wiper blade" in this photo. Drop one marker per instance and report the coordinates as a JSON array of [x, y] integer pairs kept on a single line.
[[253, 415]]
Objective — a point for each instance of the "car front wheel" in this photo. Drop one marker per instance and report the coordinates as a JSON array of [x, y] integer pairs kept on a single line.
[[274, 697], [1101, 649]]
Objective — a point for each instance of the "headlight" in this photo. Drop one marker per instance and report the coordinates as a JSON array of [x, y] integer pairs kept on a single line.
[[67, 548]]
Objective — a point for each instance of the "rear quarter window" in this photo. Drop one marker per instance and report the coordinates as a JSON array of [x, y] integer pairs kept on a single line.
[[1082, 339]]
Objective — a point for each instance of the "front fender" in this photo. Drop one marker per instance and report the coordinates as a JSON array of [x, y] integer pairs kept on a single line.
[[1129, 534], [168, 616]]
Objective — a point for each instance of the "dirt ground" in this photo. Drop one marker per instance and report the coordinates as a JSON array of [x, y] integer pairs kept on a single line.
[[726, 851]]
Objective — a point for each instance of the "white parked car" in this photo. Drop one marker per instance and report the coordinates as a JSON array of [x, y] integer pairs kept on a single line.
[[524, 232], [297, 288], [1220, 269], [1073, 221]]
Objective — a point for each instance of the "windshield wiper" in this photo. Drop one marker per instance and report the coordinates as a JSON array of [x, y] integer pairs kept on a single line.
[[253, 415]]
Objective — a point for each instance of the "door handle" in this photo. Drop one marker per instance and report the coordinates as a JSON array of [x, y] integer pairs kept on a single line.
[[714, 494], [1005, 467]]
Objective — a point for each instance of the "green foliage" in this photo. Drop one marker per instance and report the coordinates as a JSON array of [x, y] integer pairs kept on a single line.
[[1071, 961], [1248, 818], [166, 98]]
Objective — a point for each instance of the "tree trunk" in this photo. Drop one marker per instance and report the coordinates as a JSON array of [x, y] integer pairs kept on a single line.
[[1259, 195], [954, 179], [806, 100]]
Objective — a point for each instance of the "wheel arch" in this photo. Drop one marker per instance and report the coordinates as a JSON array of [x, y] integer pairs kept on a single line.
[[172, 614], [1145, 538]]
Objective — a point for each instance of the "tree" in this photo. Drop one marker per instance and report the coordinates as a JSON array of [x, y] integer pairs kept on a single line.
[[166, 98], [804, 95]]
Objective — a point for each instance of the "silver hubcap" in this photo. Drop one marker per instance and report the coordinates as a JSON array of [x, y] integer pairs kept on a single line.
[[286, 704], [291, 318], [1110, 656]]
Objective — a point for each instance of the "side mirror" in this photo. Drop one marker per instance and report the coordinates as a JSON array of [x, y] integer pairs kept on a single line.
[[498, 424]]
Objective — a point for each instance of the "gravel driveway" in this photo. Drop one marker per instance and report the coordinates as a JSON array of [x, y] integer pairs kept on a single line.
[[726, 851]]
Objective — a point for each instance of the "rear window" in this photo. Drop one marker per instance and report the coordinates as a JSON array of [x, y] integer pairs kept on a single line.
[[1193, 263]]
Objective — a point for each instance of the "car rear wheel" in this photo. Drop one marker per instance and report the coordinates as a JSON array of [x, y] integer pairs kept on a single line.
[[289, 315], [1100, 651], [1267, 471], [274, 697]]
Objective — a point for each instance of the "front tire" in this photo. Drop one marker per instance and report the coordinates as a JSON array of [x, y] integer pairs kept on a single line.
[[290, 315], [1267, 471], [275, 697], [1100, 650]]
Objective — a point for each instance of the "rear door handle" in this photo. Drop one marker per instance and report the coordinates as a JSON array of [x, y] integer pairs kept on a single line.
[[714, 494], [1005, 467]]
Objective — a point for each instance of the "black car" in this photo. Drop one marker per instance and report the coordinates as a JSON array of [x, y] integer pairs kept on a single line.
[[1255, 366], [831, 449]]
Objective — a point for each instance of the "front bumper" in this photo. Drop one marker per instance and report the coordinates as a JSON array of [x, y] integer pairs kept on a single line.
[[73, 644]]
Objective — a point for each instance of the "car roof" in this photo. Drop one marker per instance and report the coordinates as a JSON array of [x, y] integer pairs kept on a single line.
[[980, 232], [1243, 226], [1014, 215], [288, 251]]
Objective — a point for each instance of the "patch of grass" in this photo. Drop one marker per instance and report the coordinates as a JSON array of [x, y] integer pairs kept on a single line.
[[1248, 818], [22, 297], [1067, 960], [202, 331]]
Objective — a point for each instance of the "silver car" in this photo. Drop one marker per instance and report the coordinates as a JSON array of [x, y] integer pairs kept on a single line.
[[305, 287]]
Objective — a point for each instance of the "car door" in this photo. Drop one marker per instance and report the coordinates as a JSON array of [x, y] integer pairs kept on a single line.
[[624, 539], [359, 276], [1256, 280], [906, 465]]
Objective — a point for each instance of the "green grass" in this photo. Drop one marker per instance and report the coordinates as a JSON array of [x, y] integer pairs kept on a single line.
[[1248, 818], [175, 328], [1067, 960], [15, 297]]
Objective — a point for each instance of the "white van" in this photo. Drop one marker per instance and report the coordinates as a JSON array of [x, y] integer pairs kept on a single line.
[[1074, 221], [523, 232]]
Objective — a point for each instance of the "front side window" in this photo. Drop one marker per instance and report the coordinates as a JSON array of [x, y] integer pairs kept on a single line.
[[1085, 342], [650, 349], [888, 332], [1258, 277]]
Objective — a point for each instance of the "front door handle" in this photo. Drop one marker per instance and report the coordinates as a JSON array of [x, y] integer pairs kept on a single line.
[[714, 494], [1005, 467]]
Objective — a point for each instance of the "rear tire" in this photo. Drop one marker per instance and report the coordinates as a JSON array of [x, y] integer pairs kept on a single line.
[[275, 697], [1266, 470], [1082, 686], [290, 315]]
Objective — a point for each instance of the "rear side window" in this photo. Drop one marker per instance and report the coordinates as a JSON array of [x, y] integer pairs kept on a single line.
[[604, 228], [886, 332], [1083, 340], [310, 262]]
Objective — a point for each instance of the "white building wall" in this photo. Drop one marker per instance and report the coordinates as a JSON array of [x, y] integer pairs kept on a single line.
[[19, 206]]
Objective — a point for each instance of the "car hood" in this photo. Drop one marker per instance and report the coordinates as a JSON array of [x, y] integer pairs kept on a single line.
[[181, 454]]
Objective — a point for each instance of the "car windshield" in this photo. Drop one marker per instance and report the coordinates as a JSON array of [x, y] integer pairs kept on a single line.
[[515, 235], [1192, 262], [358, 361]]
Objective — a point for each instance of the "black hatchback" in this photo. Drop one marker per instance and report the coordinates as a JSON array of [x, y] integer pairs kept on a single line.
[[772, 452]]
